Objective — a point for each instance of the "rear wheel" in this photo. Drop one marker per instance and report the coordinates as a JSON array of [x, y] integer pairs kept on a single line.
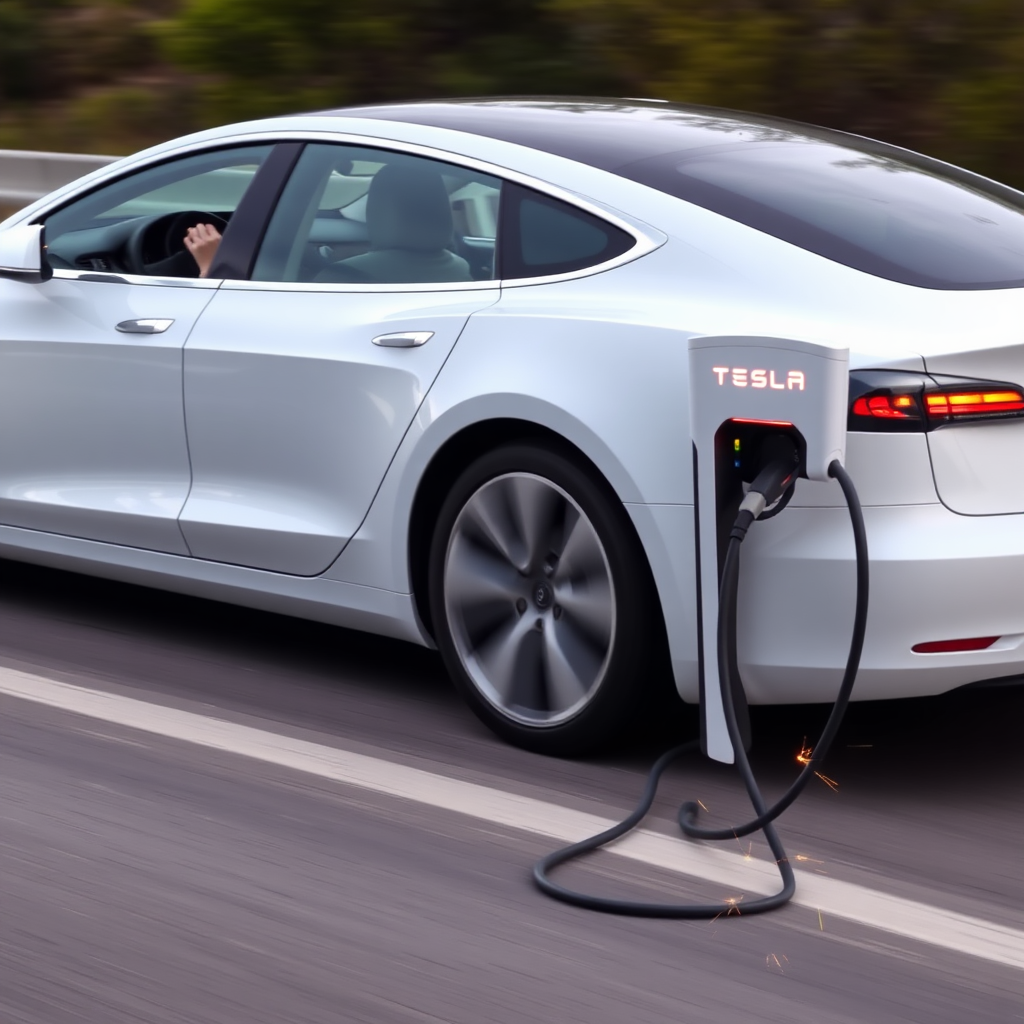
[[541, 600]]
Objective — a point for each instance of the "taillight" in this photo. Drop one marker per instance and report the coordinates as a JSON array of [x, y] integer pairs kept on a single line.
[[990, 401], [894, 401]]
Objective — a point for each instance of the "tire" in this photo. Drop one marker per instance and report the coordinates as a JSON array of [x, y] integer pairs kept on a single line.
[[542, 600]]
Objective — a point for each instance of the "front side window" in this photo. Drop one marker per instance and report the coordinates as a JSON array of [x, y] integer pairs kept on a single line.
[[355, 215], [138, 224]]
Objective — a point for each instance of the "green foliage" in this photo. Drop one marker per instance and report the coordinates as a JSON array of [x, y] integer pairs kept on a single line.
[[23, 39], [943, 76], [938, 75], [265, 56]]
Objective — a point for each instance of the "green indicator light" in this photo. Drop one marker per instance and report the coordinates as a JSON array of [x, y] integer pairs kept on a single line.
[[736, 445]]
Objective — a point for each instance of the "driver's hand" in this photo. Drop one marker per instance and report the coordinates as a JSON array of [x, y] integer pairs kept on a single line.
[[202, 241]]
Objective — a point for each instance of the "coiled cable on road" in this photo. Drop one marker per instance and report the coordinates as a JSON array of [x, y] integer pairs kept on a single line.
[[765, 816]]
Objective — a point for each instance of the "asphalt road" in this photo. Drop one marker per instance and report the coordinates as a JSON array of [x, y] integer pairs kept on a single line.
[[145, 878]]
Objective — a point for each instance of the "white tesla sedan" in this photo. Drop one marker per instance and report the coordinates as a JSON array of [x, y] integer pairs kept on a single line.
[[434, 386]]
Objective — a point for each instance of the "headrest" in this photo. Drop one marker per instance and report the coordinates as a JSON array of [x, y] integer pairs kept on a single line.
[[407, 208]]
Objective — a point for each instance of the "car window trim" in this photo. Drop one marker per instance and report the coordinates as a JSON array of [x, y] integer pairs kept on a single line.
[[648, 238], [361, 289], [118, 277]]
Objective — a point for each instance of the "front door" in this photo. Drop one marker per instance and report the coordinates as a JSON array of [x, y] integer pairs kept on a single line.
[[92, 431], [92, 422]]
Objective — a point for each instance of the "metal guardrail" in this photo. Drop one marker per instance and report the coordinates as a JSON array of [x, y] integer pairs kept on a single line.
[[26, 175]]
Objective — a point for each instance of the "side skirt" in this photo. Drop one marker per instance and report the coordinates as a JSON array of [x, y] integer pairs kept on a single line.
[[322, 600]]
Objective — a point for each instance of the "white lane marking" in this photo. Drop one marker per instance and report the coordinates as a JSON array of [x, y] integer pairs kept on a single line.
[[737, 873]]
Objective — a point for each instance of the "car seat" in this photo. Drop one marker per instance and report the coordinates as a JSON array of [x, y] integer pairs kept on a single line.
[[409, 226]]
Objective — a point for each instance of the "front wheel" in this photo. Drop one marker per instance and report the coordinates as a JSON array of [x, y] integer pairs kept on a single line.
[[541, 600]]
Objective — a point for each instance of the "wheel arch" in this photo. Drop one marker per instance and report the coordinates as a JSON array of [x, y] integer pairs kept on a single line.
[[449, 461]]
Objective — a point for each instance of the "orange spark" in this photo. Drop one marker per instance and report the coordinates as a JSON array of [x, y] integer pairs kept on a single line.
[[733, 903], [700, 803], [804, 757], [831, 783], [773, 958], [748, 854]]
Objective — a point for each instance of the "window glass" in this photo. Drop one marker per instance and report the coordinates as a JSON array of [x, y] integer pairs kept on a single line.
[[896, 215], [137, 224], [544, 236], [364, 216]]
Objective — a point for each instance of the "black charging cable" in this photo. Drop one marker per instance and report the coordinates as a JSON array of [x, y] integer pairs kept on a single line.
[[774, 476]]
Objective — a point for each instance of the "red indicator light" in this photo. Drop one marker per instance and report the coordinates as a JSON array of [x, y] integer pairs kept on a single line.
[[763, 423], [885, 407], [974, 403], [977, 643]]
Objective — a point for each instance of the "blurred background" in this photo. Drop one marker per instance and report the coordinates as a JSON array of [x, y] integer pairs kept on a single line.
[[110, 76]]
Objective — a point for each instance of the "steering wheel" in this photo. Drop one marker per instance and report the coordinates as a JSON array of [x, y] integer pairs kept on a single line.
[[157, 246]]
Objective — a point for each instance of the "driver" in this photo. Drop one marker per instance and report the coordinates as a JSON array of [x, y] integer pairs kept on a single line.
[[202, 241]]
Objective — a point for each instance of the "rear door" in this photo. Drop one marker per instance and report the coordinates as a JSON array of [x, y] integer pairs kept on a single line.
[[300, 383]]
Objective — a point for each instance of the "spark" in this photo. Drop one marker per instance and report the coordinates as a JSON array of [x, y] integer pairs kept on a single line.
[[859, 746], [733, 903], [748, 854], [821, 926], [700, 803], [773, 958], [804, 757], [804, 859]]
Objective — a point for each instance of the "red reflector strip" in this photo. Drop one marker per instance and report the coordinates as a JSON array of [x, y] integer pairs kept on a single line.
[[974, 403], [763, 423], [978, 643]]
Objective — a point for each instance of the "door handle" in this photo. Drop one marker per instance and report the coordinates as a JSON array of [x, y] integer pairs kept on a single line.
[[143, 326], [404, 339]]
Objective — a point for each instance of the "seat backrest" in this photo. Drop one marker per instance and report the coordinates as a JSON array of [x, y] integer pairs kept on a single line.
[[408, 208]]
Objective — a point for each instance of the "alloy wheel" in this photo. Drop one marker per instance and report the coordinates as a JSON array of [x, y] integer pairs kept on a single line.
[[530, 600]]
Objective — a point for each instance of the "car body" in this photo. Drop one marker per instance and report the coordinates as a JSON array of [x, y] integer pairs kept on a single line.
[[292, 432]]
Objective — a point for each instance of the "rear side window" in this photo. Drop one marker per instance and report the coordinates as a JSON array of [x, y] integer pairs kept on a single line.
[[353, 215], [890, 213], [542, 236]]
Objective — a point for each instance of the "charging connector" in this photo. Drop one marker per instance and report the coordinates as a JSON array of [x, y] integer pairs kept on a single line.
[[780, 458]]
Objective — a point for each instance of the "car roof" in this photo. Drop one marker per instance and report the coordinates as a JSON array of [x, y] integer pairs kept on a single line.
[[604, 133]]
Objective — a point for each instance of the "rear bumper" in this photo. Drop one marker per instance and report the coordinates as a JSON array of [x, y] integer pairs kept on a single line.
[[935, 575]]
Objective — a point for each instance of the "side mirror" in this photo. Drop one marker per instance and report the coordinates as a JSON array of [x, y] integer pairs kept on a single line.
[[23, 254]]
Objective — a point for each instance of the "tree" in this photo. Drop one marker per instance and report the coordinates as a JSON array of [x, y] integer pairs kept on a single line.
[[268, 56], [939, 75]]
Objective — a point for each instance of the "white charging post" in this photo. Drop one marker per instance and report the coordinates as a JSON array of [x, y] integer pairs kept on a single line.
[[743, 388]]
